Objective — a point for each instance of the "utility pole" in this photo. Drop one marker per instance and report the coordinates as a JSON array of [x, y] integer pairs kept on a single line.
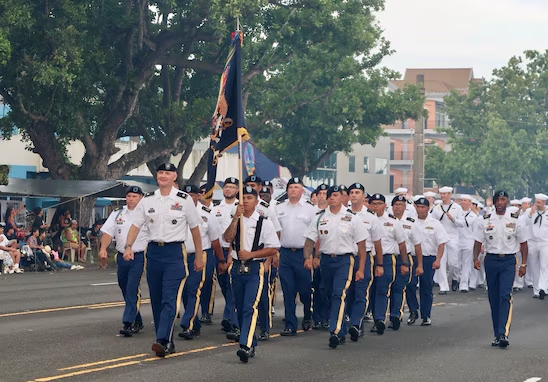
[[418, 158]]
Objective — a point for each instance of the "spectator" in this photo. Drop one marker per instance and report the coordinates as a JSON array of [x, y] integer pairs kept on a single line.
[[39, 219], [95, 237], [9, 218], [71, 239], [35, 242], [9, 253], [10, 234], [60, 263]]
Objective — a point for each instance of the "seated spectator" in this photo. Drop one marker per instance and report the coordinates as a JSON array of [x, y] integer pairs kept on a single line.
[[10, 234], [95, 238], [60, 263], [39, 219], [9, 253], [71, 239], [35, 242]]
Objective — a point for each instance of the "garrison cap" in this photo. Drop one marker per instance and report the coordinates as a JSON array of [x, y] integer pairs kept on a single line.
[[191, 189], [135, 190], [167, 167]]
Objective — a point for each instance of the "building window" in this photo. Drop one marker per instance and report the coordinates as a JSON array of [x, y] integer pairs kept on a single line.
[[391, 187], [381, 166], [392, 148], [441, 117], [330, 162], [318, 177], [405, 124], [351, 163], [366, 165]]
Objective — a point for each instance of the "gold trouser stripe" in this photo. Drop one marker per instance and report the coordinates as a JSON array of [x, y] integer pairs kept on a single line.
[[141, 279], [404, 292], [179, 292], [213, 289], [372, 270], [253, 323], [269, 296], [198, 295], [394, 267], [510, 311], [273, 289], [340, 317]]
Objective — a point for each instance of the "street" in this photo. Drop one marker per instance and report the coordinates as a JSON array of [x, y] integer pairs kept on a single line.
[[64, 326]]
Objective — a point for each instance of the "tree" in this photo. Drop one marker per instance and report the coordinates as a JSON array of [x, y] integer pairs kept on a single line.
[[4, 171], [498, 131]]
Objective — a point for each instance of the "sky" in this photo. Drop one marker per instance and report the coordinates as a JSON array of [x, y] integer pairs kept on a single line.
[[478, 34]]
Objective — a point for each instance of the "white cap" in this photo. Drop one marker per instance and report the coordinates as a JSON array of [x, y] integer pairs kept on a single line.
[[436, 202], [526, 200], [430, 194], [417, 197], [401, 190], [445, 189], [541, 197], [512, 209], [475, 201], [466, 196], [480, 205], [515, 201]]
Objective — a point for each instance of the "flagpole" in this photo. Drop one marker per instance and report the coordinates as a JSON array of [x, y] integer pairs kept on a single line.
[[240, 165]]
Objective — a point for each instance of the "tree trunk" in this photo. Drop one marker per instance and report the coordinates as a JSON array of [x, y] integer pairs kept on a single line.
[[4, 171], [200, 170]]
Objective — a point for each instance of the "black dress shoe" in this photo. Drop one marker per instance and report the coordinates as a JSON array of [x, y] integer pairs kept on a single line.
[[288, 333], [137, 327], [264, 336], [541, 294], [126, 330], [245, 354], [426, 321], [454, 285], [326, 325], [317, 326], [206, 320], [162, 349], [496, 341], [368, 317], [373, 328], [307, 324], [395, 323], [226, 325], [503, 342], [380, 327], [412, 318], [442, 292], [188, 334], [536, 296], [334, 341], [354, 332], [234, 335], [464, 291]]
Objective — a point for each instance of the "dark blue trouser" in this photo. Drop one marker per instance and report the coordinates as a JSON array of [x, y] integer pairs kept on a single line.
[[226, 288], [167, 270], [384, 283], [500, 272], [247, 289], [265, 306], [337, 273], [207, 301], [358, 293], [397, 291], [411, 289], [320, 304], [426, 283], [192, 294], [295, 278], [129, 280]]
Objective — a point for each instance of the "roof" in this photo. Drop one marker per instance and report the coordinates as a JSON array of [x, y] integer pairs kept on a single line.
[[439, 80], [38, 188]]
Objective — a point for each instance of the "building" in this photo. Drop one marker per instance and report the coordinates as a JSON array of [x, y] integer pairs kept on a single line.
[[438, 83]]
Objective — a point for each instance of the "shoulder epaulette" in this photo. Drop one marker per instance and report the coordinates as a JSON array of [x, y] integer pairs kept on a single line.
[[265, 204], [371, 211], [182, 194], [149, 194], [349, 210], [411, 219], [206, 209], [320, 212], [514, 215], [216, 203], [486, 216], [236, 203], [118, 209], [309, 202], [391, 216]]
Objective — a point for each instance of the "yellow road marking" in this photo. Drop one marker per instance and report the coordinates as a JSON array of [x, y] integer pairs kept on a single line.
[[84, 365], [87, 371], [74, 307]]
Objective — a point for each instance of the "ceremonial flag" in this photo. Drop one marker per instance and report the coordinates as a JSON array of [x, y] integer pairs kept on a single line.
[[228, 118], [249, 158]]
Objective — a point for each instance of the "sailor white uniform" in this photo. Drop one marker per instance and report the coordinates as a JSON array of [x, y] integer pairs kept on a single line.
[[537, 262], [466, 248], [449, 267]]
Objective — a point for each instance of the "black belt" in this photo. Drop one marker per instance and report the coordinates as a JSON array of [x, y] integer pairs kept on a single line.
[[238, 261], [389, 254], [163, 244], [501, 254], [334, 255], [293, 249]]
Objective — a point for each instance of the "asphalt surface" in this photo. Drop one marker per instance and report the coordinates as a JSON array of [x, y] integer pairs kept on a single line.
[[64, 325]]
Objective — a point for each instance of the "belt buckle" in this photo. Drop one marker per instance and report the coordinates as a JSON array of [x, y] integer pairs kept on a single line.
[[502, 254], [333, 256], [293, 249], [161, 244]]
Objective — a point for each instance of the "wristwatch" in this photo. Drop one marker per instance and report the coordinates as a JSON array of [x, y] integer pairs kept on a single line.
[[406, 264], [127, 246], [223, 261], [378, 265], [523, 266]]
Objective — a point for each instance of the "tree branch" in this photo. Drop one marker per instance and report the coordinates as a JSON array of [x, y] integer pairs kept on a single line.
[[183, 62]]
